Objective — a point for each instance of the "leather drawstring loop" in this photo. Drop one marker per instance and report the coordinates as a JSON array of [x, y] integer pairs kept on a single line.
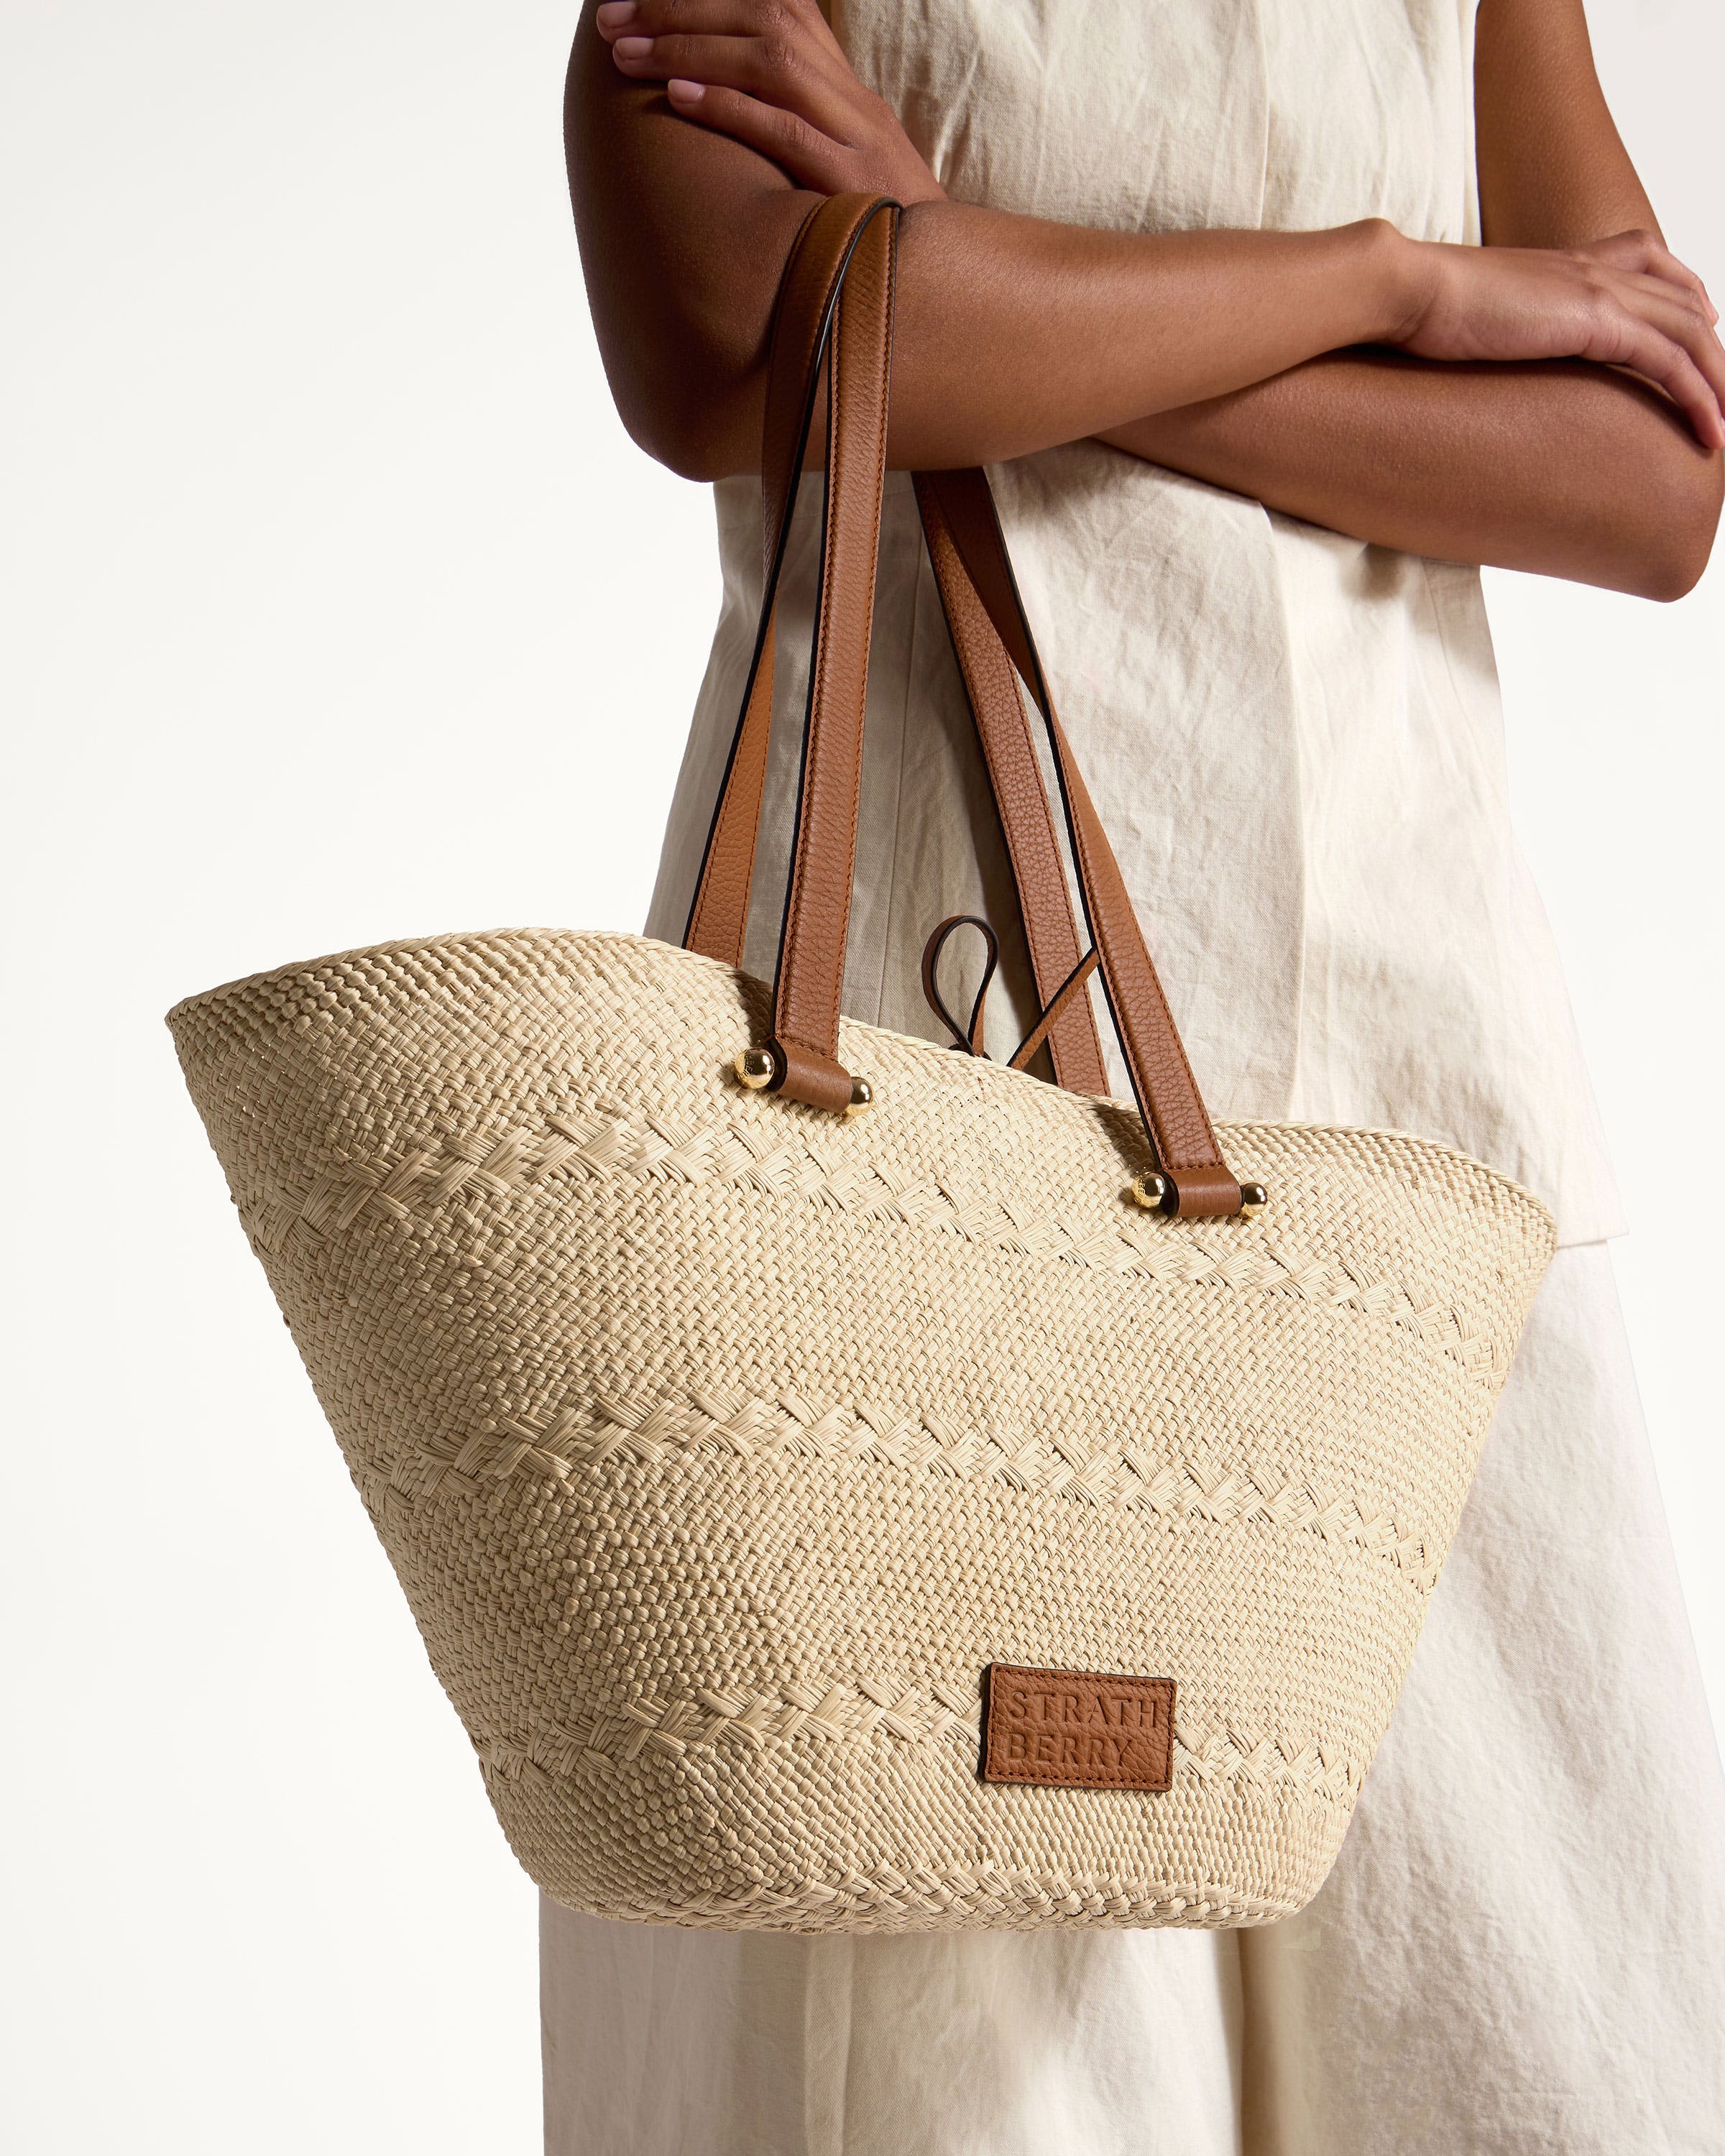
[[967, 1038]]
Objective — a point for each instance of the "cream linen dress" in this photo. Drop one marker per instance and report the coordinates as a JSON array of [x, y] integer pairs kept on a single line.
[[1295, 742]]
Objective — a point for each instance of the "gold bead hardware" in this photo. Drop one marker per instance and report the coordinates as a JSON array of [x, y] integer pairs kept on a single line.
[[756, 1068], [862, 1095], [1151, 1191]]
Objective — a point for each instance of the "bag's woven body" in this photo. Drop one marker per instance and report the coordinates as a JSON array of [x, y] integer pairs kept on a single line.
[[720, 1444]]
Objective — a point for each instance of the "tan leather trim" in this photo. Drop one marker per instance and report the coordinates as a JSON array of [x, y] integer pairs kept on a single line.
[[1071, 988], [1073, 1729], [1166, 1090], [1203, 1192], [806, 1074], [969, 1037], [718, 916]]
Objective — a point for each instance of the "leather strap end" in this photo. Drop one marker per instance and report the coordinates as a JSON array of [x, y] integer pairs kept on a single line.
[[805, 1075], [1203, 1193]]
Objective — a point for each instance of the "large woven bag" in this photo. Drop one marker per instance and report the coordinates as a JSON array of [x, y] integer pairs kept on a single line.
[[999, 1507]]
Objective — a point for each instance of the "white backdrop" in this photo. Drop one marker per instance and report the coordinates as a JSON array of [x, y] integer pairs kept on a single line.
[[340, 610]]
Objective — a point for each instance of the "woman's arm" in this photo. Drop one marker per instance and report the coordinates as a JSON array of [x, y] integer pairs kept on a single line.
[[1013, 333], [1562, 468], [1571, 471]]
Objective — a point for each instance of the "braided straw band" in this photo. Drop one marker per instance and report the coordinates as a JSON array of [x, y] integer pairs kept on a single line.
[[853, 1712], [787, 1163], [723, 1424]]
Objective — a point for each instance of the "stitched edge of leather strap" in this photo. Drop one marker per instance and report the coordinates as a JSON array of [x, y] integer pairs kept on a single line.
[[813, 929], [717, 925], [718, 913]]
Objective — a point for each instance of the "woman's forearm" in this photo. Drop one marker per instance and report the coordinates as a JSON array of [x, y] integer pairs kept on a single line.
[[1011, 333], [1560, 468], [1045, 325]]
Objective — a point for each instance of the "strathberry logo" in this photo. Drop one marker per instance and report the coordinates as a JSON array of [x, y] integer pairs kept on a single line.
[[1076, 1730]]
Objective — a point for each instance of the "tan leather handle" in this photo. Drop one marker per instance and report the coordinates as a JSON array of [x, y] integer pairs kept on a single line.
[[807, 292], [1021, 801], [718, 914], [840, 279], [957, 507], [816, 921]]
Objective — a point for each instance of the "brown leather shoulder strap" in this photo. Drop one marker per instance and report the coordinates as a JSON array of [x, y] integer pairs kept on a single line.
[[718, 917], [1010, 752], [844, 259], [1162, 1083], [718, 914], [817, 913]]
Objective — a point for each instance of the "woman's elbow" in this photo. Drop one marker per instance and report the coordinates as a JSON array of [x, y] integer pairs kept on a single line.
[[689, 389], [691, 441], [683, 323], [1678, 557], [678, 399]]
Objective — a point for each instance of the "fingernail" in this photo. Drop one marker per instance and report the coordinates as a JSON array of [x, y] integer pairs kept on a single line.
[[685, 93], [615, 13], [633, 49]]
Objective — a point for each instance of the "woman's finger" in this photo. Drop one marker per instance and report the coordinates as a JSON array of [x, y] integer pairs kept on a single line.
[[1647, 287], [1686, 321], [737, 18], [1678, 353], [770, 73], [1645, 252], [813, 160]]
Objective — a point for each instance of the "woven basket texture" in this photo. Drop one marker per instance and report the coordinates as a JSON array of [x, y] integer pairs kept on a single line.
[[720, 1444]]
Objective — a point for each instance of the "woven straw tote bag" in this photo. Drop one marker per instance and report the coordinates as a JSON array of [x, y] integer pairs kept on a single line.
[[1001, 1507]]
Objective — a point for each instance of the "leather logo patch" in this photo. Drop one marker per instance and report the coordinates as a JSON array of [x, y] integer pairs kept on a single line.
[[1069, 1729]]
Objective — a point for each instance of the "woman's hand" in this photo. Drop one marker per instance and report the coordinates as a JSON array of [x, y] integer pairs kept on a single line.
[[770, 74], [1623, 301]]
